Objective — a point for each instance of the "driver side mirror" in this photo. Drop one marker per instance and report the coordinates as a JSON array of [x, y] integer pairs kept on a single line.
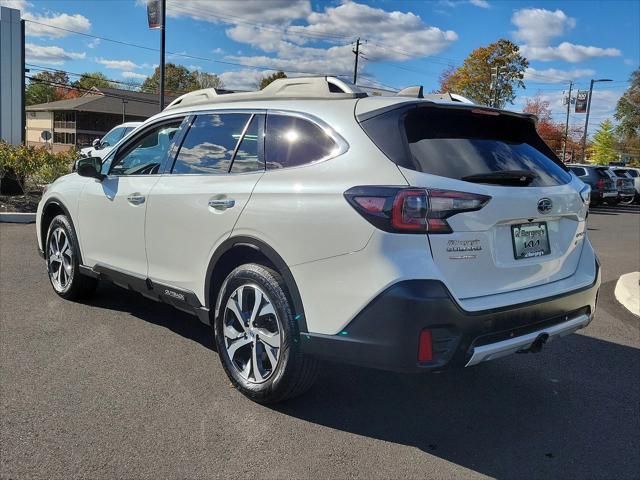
[[96, 144], [90, 167]]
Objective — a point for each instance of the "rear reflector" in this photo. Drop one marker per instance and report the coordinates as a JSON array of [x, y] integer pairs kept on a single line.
[[425, 350]]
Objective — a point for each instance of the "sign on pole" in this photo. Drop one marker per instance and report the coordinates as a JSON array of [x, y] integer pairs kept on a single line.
[[154, 13], [581, 101]]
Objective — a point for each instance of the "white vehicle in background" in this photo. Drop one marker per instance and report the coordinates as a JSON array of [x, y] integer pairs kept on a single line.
[[102, 146], [633, 173], [310, 221]]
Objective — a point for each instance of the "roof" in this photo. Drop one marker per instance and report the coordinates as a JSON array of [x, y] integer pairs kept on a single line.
[[106, 100]]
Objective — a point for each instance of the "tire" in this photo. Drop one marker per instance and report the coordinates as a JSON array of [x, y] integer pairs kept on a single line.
[[246, 337], [63, 261]]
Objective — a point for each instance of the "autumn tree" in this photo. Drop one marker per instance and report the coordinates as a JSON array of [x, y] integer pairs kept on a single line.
[[628, 117], [177, 80], [551, 132], [207, 80], [270, 78], [603, 148], [473, 78], [88, 80], [46, 87]]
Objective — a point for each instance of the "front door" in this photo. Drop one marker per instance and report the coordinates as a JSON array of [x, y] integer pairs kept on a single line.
[[112, 211]]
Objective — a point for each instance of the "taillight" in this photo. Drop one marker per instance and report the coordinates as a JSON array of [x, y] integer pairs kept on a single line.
[[412, 210], [600, 184]]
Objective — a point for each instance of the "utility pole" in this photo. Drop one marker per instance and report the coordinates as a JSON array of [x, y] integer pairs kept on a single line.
[[566, 125], [355, 68], [124, 111], [586, 120], [163, 16]]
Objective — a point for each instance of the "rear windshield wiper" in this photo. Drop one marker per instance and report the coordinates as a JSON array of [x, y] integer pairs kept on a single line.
[[503, 177]]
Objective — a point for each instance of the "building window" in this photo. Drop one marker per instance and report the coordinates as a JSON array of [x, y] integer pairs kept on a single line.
[[64, 138], [64, 119]]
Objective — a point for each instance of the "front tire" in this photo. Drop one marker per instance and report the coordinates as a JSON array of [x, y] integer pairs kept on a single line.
[[257, 337], [63, 261]]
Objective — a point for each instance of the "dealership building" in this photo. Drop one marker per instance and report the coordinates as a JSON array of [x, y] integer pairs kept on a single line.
[[78, 121]]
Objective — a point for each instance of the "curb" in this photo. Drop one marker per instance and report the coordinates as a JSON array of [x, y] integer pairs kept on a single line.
[[10, 217], [627, 292]]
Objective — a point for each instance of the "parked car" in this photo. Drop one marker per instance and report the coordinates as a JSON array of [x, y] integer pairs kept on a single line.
[[603, 186], [633, 173], [309, 221], [102, 146], [625, 186]]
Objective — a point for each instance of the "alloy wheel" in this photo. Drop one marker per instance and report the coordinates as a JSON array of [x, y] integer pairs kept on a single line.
[[60, 259], [252, 333]]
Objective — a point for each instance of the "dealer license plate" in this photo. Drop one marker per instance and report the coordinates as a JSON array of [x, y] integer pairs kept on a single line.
[[530, 240]]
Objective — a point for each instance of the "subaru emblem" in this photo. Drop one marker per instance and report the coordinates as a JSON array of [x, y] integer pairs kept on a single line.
[[544, 205]]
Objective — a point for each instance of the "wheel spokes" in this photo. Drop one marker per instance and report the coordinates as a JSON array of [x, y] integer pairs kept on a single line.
[[236, 345], [257, 375]]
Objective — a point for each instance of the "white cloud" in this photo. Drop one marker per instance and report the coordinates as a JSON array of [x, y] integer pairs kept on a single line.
[[628, 61], [50, 54], [218, 50], [18, 4], [118, 64], [480, 3], [77, 22], [554, 75], [243, 79], [93, 43], [537, 26], [567, 52], [134, 75]]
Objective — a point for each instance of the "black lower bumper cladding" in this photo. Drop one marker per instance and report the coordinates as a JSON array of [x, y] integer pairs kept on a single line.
[[385, 333]]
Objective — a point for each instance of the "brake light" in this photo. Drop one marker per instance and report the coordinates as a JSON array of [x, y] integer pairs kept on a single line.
[[425, 346], [412, 210], [600, 183]]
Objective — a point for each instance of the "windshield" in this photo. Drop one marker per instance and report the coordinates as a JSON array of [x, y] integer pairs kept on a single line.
[[112, 137], [457, 143]]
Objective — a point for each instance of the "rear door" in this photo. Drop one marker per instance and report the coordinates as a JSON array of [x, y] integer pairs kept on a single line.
[[531, 230], [195, 205]]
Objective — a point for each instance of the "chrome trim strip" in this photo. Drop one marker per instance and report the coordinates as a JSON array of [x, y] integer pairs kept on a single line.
[[512, 345]]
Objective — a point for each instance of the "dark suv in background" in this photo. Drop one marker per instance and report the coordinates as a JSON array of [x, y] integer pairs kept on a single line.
[[603, 186]]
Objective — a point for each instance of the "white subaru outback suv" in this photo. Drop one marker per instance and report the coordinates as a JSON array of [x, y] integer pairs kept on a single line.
[[308, 221]]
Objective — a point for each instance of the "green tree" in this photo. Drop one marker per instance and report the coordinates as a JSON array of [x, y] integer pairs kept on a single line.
[[603, 148], [89, 80], [270, 78], [177, 80], [46, 87], [473, 78], [207, 80], [628, 117]]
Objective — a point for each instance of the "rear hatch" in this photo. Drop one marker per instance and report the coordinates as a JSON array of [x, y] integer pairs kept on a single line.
[[530, 230], [606, 181], [624, 184]]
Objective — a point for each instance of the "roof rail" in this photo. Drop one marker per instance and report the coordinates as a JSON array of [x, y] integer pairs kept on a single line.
[[282, 88], [415, 91]]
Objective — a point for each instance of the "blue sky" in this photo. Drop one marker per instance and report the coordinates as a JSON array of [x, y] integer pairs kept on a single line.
[[405, 42]]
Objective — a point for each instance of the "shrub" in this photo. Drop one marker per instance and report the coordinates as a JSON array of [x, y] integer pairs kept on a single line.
[[34, 166]]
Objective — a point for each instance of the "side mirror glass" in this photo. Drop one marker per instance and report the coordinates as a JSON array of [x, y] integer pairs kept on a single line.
[[96, 143], [90, 167]]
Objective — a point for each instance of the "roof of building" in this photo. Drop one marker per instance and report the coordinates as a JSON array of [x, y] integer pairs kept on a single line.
[[106, 100]]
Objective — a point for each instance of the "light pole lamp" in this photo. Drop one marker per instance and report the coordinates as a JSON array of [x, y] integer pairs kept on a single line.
[[586, 120]]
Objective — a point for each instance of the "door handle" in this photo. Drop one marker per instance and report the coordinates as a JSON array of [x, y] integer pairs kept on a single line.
[[136, 199], [222, 204]]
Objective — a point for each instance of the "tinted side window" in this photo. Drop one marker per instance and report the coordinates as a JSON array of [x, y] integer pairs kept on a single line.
[[209, 144], [247, 157], [292, 141], [581, 172], [145, 154]]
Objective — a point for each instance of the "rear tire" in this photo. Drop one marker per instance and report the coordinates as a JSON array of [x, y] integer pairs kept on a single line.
[[258, 338], [63, 261]]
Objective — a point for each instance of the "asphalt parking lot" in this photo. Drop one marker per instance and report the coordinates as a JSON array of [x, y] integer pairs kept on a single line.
[[125, 387]]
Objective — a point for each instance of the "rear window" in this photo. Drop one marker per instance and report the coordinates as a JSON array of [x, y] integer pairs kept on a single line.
[[457, 143], [581, 172]]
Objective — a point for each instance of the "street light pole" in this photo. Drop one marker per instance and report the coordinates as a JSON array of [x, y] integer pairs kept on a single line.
[[124, 111], [566, 125], [586, 120]]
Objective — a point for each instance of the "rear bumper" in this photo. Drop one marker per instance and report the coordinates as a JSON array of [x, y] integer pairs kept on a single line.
[[386, 333]]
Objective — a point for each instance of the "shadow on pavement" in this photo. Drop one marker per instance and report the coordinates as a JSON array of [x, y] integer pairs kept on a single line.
[[570, 411]]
